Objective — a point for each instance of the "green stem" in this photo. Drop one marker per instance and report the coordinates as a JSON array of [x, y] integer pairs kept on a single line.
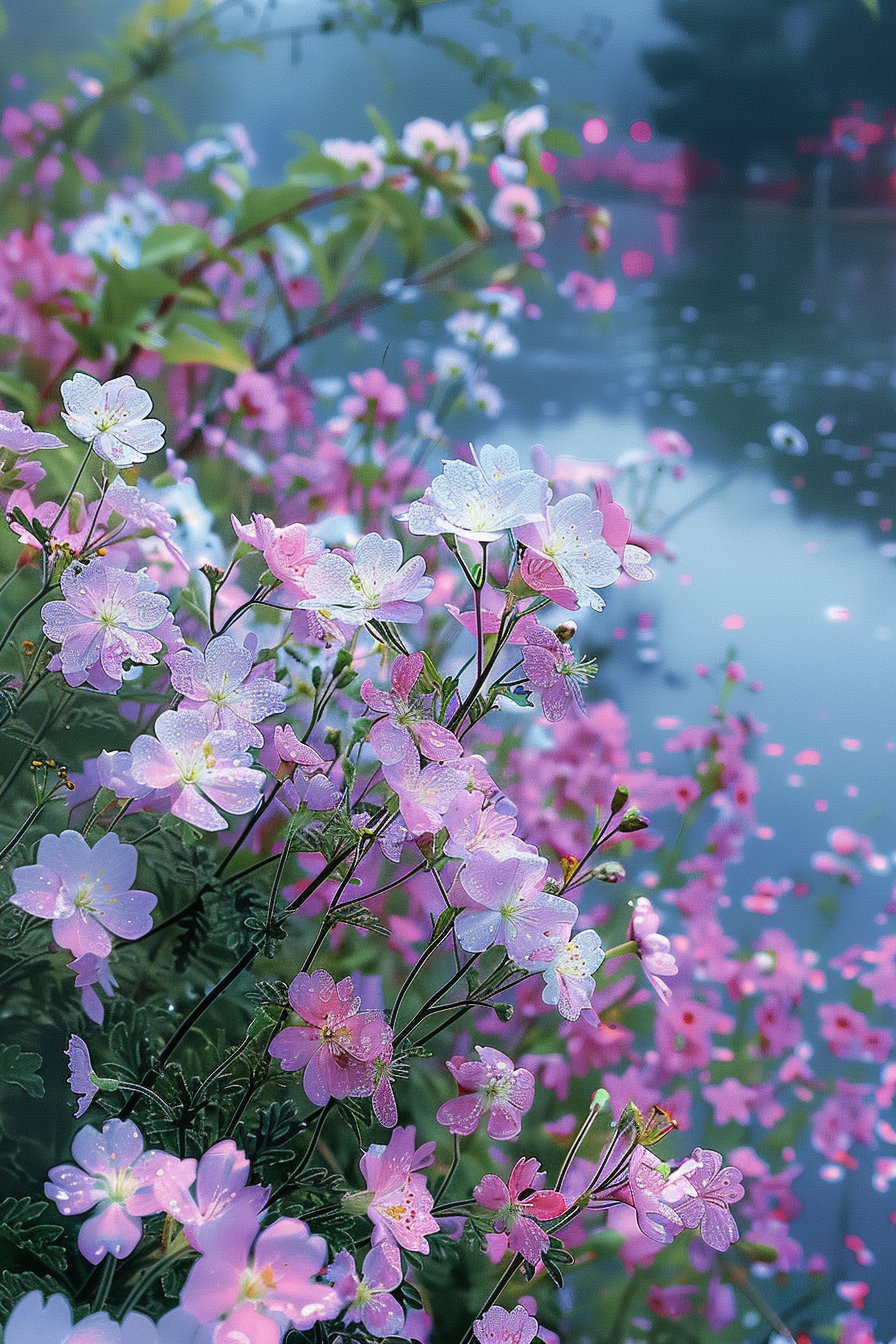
[[105, 1283], [495, 1294], [449, 1174], [427, 952], [312, 1143]]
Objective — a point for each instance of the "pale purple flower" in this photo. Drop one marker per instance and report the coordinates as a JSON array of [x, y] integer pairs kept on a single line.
[[424, 795], [715, 1187], [105, 622], [114, 1177], [111, 417], [336, 1043], [18, 438], [655, 1194], [517, 125], [509, 905], [197, 770], [219, 682], [481, 500], [553, 668], [521, 1205], [400, 1204], [313, 789], [254, 1290], [223, 1197], [34, 1322], [570, 537], [81, 1078], [406, 726], [370, 1300], [499, 1326], [654, 949], [490, 1086], [92, 970], [130, 503], [87, 893], [569, 974], [378, 586]]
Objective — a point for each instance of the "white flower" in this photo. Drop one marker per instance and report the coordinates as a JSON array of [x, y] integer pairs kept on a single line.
[[479, 330], [378, 586], [570, 537], [517, 125], [569, 974], [481, 500], [111, 417]]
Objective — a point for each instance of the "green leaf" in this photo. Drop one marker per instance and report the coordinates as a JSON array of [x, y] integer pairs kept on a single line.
[[169, 241], [21, 1069], [560, 141], [20, 391], [131, 296], [262, 205], [203, 340]]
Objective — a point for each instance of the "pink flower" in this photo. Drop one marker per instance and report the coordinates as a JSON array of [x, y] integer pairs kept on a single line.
[[111, 417], [424, 795], [435, 144], [491, 1086], [34, 281], [553, 668], [355, 154], [654, 1193], [716, 1187], [338, 1043], [376, 400], [499, 1326], [81, 1078], [255, 397], [521, 1206], [253, 1290], [223, 1198], [371, 1303], [514, 205], [400, 1205], [653, 948], [508, 905], [671, 1302], [86, 892], [104, 623], [314, 789], [586, 292], [288, 551], [197, 770], [406, 725], [220, 683], [115, 1177]]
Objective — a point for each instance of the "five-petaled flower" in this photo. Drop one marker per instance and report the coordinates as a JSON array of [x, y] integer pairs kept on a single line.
[[115, 1177], [337, 1043], [111, 417], [104, 624], [219, 682], [405, 726], [87, 893], [488, 1086], [521, 1206], [399, 1204], [378, 585]]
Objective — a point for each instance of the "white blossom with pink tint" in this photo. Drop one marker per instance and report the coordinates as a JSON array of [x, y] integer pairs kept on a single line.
[[517, 125], [654, 949], [18, 438], [435, 144], [288, 551], [480, 500], [569, 972], [379, 585], [406, 725], [111, 417], [197, 770], [570, 537], [353, 155], [219, 683]]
